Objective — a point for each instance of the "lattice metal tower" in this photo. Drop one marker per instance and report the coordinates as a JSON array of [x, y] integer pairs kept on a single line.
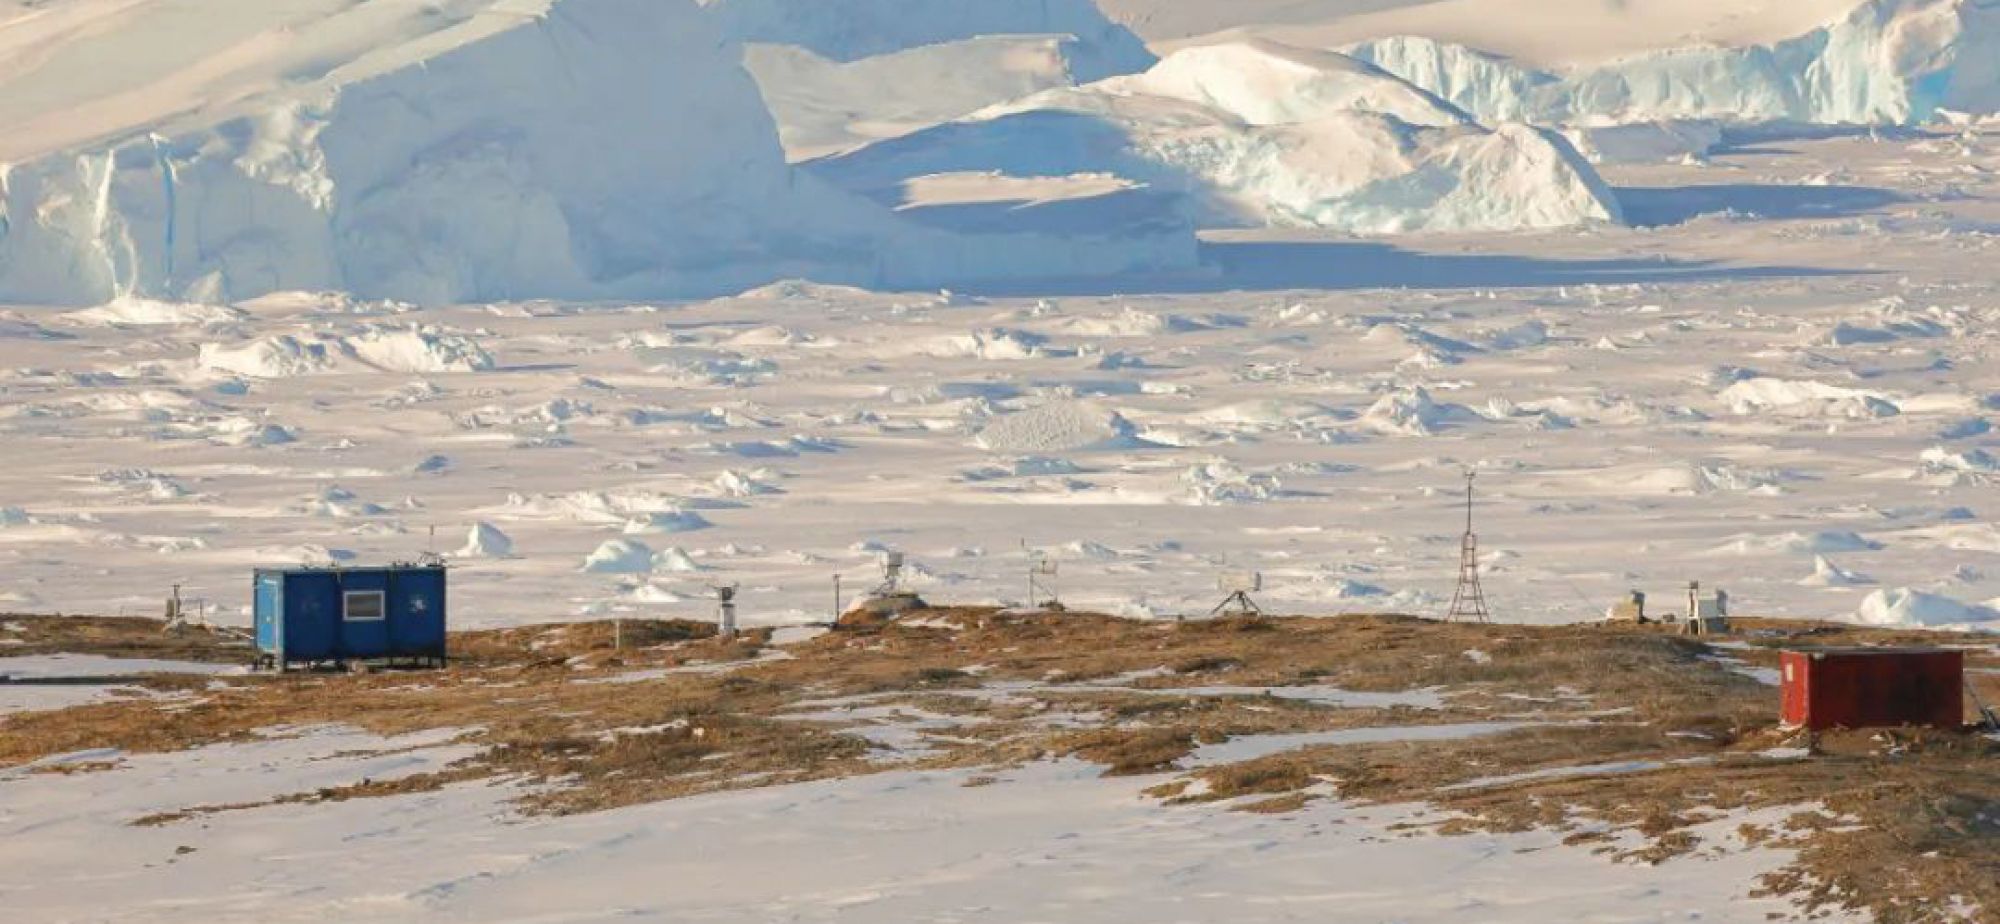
[[1468, 602]]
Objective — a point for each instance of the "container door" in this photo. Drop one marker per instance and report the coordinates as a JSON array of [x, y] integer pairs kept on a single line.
[[311, 616], [416, 626], [1795, 681], [268, 602]]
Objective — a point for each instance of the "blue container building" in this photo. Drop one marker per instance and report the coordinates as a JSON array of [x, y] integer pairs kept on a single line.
[[307, 616]]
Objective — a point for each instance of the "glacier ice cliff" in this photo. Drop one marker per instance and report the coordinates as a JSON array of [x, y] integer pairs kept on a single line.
[[574, 149], [1886, 62]]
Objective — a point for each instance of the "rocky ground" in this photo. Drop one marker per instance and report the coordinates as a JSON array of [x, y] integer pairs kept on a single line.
[[1596, 732]]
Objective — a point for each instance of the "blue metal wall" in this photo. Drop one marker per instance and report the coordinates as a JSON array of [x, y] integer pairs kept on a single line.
[[300, 613]]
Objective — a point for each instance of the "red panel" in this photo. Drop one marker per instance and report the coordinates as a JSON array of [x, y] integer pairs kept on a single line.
[[1873, 688], [1795, 682]]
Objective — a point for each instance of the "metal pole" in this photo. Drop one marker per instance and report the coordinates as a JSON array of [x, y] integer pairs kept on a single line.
[[1468, 500], [1031, 573]]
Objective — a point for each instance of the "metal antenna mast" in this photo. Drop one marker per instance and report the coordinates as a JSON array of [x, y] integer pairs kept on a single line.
[[1468, 602]]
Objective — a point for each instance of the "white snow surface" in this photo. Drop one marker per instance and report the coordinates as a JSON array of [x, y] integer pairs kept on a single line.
[[1050, 841], [37, 683], [1647, 406]]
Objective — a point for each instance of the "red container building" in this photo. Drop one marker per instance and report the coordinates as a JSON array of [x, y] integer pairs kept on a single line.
[[1873, 687]]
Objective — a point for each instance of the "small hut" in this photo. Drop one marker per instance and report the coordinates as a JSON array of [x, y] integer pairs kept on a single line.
[[309, 616]]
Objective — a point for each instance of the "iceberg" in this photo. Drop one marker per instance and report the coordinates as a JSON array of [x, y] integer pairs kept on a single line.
[[478, 150], [1259, 135], [1886, 62]]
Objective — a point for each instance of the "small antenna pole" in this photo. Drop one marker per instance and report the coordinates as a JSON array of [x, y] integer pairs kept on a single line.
[[1468, 601], [1469, 475]]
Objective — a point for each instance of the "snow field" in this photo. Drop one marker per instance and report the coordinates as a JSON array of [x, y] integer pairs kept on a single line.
[[1645, 424], [1083, 848]]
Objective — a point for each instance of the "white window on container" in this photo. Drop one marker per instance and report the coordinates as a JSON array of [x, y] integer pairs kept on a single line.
[[364, 606]]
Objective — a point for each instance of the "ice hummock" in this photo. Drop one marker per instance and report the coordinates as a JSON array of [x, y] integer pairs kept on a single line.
[[620, 556], [1827, 574], [1902, 607], [1069, 426], [413, 350], [484, 540]]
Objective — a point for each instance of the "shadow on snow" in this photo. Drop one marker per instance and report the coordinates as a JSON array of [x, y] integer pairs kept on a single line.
[[1279, 266], [1652, 207]]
